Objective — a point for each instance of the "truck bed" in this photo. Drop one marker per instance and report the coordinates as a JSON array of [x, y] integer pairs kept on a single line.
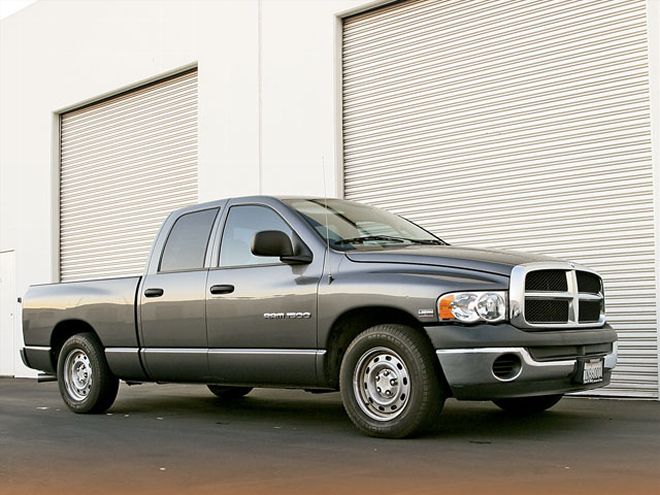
[[106, 305]]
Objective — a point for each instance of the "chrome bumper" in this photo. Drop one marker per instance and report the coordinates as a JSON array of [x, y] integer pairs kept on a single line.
[[469, 373]]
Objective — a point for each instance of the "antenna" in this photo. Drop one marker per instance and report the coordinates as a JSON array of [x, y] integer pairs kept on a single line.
[[327, 226]]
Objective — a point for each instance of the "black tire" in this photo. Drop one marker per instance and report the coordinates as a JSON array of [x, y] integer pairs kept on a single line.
[[388, 382], [229, 393], [86, 383], [525, 406]]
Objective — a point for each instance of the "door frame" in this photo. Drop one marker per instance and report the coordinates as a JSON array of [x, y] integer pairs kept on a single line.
[[10, 366]]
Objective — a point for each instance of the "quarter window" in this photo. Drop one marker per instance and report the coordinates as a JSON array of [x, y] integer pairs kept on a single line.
[[243, 222], [186, 245]]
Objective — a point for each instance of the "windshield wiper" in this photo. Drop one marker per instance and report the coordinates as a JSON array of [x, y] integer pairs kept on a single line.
[[435, 242], [359, 240]]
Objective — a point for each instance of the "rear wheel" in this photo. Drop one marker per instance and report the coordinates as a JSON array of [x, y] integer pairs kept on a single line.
[[229, 393], [528, 405], [86, 383], [388, 382]]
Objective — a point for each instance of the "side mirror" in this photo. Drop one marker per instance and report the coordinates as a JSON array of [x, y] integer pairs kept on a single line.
[[272, 243], [277, 243]]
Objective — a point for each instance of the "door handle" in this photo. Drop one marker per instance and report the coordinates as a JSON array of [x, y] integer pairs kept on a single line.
[[222, 289], [153, 292]]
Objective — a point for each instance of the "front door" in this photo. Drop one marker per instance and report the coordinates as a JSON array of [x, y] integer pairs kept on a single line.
[[172, 303], [261, 313]]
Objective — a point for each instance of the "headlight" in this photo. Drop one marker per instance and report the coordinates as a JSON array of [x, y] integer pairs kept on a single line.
[[472, 307]]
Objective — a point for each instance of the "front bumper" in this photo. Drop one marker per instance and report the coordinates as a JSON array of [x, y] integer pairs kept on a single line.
[[548, 358], [470, 375]]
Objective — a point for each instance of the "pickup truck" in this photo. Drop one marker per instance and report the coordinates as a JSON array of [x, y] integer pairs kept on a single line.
[[326, 295]]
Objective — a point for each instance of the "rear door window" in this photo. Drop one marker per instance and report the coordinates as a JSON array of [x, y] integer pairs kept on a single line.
[[186, 245]]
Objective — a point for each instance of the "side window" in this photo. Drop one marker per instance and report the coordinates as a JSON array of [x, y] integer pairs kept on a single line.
[[186, 245], [243, 222]]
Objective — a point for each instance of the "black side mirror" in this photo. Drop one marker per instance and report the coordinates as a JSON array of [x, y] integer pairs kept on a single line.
[[277, 243], [272, 243]]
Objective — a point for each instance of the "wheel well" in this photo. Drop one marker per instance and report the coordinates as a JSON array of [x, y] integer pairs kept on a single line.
[[355, 321], [62, 331]]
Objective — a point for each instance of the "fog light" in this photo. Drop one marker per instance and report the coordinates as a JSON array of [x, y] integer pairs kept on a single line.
[[507, 367]]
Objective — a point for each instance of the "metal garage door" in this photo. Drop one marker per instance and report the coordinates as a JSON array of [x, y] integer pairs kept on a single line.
[[126, 162], [515, 125]]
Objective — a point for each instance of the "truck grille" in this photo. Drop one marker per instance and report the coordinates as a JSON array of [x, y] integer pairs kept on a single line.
[[556, 295], [554, 353], [551, 280], [588, 283], [545, 311], [590, 311]]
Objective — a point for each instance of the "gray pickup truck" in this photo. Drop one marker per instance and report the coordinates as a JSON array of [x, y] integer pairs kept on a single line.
[[325, 295]]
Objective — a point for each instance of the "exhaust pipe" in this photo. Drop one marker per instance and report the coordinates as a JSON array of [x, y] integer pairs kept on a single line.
[[45, 377]]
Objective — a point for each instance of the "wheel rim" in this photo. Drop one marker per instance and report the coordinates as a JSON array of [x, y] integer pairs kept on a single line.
[[78, 375], [381, 383]]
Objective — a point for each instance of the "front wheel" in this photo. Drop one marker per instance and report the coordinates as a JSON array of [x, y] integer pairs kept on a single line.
[[524, 406], [388, 382], [86, 383]]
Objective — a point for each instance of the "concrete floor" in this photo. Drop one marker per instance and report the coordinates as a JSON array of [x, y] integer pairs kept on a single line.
[[162, 439]]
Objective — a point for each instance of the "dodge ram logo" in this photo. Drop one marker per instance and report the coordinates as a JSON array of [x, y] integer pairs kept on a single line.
[[293, 315]]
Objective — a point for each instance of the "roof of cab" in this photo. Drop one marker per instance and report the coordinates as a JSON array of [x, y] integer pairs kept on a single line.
[[220, 202]]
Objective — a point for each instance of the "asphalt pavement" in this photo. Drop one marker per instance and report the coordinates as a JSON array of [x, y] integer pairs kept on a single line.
[[180, 439]]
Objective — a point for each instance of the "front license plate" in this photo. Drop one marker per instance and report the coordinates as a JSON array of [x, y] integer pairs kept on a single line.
[[590, 371]]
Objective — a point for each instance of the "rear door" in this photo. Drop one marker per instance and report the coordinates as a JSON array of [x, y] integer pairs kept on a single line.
[[172, 302], [261, 312]]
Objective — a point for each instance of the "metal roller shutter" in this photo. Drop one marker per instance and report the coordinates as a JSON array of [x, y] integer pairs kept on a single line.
[[126, 162], [515, 125]]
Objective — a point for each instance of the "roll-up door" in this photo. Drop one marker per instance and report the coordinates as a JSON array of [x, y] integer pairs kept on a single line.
[[515, 125], [126, 162]]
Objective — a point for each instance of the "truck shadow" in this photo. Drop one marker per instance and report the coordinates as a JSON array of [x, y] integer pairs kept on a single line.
[[480, 422]]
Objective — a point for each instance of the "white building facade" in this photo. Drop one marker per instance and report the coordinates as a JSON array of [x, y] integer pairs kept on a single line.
[[512, 124]]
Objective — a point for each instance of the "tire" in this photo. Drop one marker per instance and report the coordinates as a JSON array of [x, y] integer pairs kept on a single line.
[[229, 393], [388, 382], [86, 383], [525, 406]]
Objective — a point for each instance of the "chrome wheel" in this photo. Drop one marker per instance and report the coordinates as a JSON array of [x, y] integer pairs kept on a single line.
[[78, 375], [381, 383]]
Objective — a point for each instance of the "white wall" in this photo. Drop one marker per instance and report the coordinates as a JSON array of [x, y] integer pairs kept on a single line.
[[267, 87]]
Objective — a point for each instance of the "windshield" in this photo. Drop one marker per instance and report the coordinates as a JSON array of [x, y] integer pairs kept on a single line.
[[354, 225]]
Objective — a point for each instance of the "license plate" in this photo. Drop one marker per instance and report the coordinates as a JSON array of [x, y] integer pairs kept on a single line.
[[590, 371]]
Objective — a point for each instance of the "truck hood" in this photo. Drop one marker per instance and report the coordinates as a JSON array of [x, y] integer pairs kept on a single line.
[[484, 260]]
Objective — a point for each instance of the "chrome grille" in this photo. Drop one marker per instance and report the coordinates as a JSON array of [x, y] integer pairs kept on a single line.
[[556, 295]]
